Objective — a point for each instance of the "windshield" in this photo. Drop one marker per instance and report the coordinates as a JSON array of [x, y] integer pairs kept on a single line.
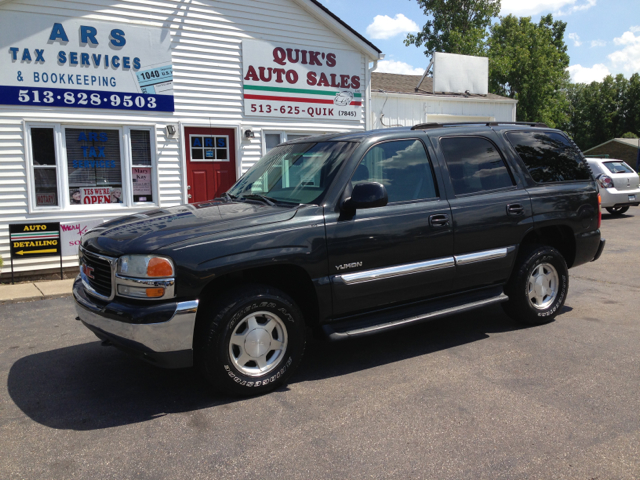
[[296, 173], [618, 167]]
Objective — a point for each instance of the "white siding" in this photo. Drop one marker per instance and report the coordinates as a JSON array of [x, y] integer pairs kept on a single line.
[[408, 110], [207, 64]]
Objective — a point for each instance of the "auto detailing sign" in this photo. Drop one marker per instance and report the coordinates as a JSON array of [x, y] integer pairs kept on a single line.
[[295, 82], [82, 63], [34, 240]]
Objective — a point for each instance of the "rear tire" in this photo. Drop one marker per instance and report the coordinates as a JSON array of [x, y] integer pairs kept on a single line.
[[538, 285], [617, 210], [251, 341]]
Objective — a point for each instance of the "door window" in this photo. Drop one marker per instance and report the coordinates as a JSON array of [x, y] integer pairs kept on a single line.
[[475, 165], [209, 148], [402, 167]]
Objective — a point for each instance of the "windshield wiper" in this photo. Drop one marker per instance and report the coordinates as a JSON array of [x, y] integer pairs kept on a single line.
[[255, 196], [228, 196]]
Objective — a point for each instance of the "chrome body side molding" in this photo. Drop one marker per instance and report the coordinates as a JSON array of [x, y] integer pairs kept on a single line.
[[396, 271], [481, 256], [420, 267]]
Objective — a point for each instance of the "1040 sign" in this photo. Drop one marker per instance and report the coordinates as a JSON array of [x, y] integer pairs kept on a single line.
[[95, 99]]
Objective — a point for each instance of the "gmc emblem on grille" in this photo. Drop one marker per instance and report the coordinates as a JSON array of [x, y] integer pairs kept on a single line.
[[88, 271]]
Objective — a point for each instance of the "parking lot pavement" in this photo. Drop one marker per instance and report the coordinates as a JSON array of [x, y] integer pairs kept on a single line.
[[471, 396]]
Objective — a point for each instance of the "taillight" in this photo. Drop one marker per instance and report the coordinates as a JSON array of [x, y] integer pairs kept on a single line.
[[605, 181], [599, 211]]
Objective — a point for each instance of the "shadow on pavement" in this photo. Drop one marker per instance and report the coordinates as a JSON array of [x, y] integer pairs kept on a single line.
[[89, 387], [608, 216]]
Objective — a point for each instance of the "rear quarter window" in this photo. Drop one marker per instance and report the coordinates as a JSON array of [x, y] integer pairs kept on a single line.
[[549, 156]]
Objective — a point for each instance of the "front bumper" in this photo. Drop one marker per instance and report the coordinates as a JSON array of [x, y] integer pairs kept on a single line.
[[612, 197], [160, 334]]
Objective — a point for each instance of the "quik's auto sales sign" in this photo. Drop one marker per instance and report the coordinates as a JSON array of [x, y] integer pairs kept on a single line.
[[301, 82], [50, 61]]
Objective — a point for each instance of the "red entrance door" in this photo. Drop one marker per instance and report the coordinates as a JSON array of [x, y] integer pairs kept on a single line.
[[211, 162]]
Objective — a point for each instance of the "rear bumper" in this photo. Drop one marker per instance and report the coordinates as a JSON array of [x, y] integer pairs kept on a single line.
[[612, 197], [600, 249], [160, 334]]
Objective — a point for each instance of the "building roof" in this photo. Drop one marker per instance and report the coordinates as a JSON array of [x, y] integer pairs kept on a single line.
[[344, 24], [629, 142], [406, 84]]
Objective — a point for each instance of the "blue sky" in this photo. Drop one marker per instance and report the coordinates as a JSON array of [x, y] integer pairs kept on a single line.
[[603, 36]]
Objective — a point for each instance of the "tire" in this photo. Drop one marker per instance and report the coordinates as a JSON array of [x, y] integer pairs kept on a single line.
[[538, 285], [617, 210], [237, 338]]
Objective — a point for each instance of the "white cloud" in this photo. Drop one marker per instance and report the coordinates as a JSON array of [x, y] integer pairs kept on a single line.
[[533, 7], [628, 58], [393, 66], [384, 27], [575, 38], [598, 43], [580, 74]]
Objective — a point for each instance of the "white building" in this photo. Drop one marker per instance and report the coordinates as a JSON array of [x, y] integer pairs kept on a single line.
[[395, 102], [113, 107]]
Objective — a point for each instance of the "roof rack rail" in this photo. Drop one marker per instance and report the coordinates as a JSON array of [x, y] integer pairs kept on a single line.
[[426, 126]]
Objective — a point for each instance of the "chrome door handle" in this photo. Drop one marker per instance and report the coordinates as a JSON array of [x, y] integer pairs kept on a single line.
[[515, 209], [439, 220]]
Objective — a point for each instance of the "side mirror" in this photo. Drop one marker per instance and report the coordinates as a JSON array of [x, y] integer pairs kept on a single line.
[[366, 195]]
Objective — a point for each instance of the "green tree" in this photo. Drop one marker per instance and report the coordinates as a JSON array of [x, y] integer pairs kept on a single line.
[[629, 135], [603, 110], [455, 26], [631, 105], [528, 62]]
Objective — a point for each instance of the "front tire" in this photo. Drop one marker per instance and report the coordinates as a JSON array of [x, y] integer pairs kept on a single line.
[[617, 210], [538, 286], [250, 342]]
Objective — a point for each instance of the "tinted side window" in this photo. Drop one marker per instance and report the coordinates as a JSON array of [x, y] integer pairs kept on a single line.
[[549, 156], [474, 165], [402, 167]]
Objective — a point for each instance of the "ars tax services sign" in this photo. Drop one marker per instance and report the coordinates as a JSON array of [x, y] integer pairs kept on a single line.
[[49, 61], [296, 82]]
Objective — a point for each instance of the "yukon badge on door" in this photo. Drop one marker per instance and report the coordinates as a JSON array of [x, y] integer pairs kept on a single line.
[[348, 265]]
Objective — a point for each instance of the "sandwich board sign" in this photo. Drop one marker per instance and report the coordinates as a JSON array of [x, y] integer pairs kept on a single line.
[[28, 240]]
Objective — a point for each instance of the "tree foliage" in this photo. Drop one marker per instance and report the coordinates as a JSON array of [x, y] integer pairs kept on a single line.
[[528, 62], [603, 110], [455, 26]]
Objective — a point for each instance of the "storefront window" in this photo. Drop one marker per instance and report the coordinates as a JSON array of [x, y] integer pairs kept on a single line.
[[209, 148], [94, 166], [272, 140], [44, 166], [141, 170]]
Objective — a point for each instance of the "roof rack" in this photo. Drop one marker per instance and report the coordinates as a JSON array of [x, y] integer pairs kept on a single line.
[[426, 126]]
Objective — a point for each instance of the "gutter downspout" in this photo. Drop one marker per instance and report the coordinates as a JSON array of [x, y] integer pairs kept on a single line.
[[368, 119]]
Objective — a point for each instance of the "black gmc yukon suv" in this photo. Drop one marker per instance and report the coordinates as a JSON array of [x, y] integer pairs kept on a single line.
[[346, 235]]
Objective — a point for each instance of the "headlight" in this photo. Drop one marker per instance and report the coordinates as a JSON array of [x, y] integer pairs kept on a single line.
[[145, 266]]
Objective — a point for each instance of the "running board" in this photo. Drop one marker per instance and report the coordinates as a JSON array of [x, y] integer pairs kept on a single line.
[[437, 309]]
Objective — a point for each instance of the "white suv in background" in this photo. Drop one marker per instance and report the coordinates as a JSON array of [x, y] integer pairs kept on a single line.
[[618, 183]]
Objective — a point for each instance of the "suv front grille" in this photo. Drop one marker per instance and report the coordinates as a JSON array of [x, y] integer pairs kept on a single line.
[[100, 278]]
